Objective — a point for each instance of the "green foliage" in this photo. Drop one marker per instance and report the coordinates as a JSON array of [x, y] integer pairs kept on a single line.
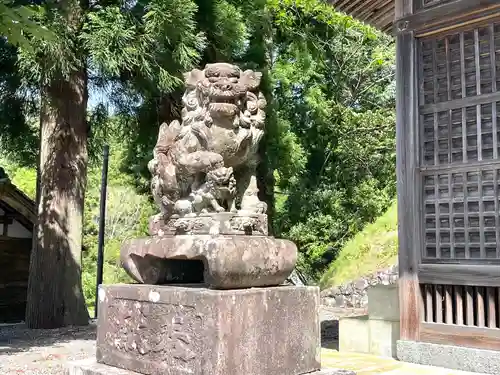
[[18, 24], [17, 133], [373, 249], [333, 80], [230, 27], [153, 41], [56, 58]]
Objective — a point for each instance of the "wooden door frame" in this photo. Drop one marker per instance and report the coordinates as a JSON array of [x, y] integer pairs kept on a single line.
[[406, 152]]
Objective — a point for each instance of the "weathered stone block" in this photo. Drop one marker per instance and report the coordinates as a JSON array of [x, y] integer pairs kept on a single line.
[[91, 367], [383, 337], [383, 302], [354, 334], [158, 330]]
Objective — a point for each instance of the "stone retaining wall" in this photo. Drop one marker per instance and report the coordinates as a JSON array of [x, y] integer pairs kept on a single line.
[[354, 294]]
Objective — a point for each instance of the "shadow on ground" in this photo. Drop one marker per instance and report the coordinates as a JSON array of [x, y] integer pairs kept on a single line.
[[330, 334], [18, 338]]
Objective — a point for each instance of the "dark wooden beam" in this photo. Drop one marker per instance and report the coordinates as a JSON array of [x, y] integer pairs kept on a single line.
[[459, 274], [449, 14], [18, 216], [5, 220], [460, 103], [471, 166]]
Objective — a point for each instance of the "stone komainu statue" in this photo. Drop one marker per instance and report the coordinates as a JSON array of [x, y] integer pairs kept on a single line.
[[212, 227], [223, 121]]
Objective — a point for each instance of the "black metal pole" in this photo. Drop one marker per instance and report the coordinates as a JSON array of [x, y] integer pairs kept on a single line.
[[102, 222]]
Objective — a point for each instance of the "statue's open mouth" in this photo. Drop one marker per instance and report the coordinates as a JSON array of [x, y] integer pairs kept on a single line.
[[223, 103], [226, 109]]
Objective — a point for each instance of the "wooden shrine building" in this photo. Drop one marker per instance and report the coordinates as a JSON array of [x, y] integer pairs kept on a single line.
[[17, 215], [448, 172]]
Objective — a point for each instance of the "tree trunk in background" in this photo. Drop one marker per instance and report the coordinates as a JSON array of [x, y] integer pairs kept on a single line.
[[55, 295]]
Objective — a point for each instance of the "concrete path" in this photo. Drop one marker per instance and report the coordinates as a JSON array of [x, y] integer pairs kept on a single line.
[[364, 364]]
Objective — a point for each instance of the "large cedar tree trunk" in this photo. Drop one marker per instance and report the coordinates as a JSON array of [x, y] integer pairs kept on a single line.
[[55, 296]]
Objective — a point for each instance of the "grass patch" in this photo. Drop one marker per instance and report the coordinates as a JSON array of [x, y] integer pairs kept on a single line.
[[374, 248]]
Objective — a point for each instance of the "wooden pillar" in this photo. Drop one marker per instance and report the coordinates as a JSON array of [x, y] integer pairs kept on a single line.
[[406, 151], [6, 220]]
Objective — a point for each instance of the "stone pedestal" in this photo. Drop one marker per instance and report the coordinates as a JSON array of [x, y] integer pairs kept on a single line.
[[158, 330], [175, 330]]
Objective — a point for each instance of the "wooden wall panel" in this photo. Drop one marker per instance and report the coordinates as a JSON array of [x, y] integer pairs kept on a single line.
[[14, 272], [471, 337]]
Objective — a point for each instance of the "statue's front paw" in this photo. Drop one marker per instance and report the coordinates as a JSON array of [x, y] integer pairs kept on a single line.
[[220, 209], [166, 202]]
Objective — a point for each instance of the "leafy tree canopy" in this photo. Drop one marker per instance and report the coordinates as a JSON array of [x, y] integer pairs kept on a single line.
[[18, 25], [333, 81]]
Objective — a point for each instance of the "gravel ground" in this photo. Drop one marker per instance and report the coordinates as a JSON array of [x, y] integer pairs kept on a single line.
[[43, 352], [46, 352]]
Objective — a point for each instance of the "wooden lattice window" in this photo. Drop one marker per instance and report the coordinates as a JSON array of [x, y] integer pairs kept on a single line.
[[459, 117], [462, 215], [460, 65], [461, 135]]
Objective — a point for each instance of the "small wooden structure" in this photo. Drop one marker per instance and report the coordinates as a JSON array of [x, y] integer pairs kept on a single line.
[[448, 165], [17, 215]]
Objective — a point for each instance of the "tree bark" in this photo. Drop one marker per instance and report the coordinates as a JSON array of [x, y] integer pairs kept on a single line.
[[55, 295]]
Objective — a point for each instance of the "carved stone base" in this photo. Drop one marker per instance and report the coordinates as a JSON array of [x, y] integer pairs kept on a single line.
[[224, 223], [221, 262], [157, 330], [91, 367]]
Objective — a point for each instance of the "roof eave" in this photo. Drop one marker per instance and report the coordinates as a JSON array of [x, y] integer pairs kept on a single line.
[[377, 13]]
